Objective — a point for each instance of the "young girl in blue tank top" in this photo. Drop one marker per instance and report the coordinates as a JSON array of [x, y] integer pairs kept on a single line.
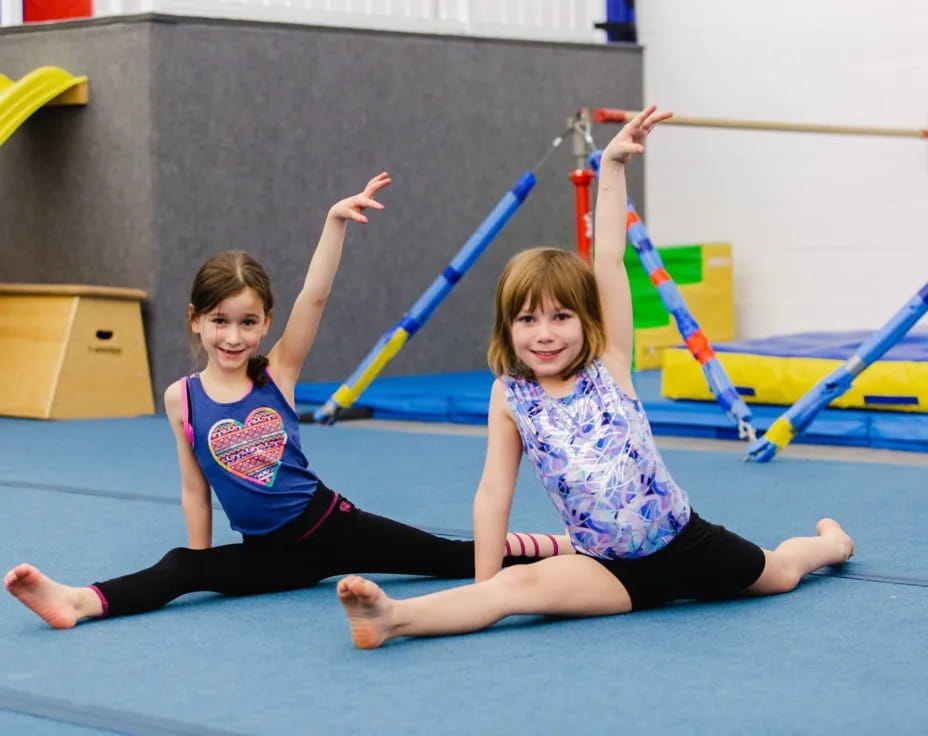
[[562, 348], [237, 433]]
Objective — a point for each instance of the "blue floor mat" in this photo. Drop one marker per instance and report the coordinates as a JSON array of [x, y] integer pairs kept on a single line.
[[838, 655]]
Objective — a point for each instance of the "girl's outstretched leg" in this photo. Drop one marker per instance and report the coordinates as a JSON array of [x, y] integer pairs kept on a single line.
[[60, 606], [568, 585], [234, 569], [367, 543], [230, 569], [797, 557]]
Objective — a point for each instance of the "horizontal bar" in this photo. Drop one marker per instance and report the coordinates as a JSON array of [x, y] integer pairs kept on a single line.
[[610, 115]]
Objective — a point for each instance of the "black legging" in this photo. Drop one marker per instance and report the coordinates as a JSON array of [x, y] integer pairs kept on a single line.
[[303, 552]]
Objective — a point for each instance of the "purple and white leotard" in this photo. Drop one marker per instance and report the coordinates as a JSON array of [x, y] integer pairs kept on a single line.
[[594, 453]]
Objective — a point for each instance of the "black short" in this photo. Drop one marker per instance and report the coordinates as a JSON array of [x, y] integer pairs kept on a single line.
[[704, 561]]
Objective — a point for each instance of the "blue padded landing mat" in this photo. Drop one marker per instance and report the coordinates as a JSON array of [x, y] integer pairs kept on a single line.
[[463, 397], [437, 397], [912, 347]]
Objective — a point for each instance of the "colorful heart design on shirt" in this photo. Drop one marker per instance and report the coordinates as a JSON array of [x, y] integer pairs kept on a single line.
[[251, 450]]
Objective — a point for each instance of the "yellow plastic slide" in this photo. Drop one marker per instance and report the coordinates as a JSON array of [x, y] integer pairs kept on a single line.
[[43, 86]]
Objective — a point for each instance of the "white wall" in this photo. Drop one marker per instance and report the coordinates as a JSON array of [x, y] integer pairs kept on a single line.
[[828, 231], [11, 12], [560, 20]]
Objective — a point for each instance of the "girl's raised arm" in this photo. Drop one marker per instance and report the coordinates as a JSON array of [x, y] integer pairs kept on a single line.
[[609, 230], [288, 354]]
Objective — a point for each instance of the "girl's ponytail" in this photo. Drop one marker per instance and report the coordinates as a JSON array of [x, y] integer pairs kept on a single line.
[[256, 366]]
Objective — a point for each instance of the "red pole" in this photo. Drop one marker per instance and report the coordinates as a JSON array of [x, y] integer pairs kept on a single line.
[[581, 176], [581, 179]]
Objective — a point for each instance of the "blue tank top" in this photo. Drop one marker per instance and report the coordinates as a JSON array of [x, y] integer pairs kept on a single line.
[[594, 453], [250, 453]]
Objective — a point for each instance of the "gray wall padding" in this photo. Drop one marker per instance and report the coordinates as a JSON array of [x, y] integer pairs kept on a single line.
[[207, 135], [76, 182]]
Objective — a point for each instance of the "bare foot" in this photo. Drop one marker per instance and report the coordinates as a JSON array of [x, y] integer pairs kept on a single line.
[[61, 606], [369, 611], [826, 527]]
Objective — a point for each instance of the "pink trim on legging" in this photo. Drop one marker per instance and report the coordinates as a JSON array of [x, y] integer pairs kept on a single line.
[[554, 542], [103, 601], [508, 549], [521, 543], [328, 511]]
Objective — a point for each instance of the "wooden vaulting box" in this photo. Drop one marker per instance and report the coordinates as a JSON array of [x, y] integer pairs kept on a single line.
[[70, 351]]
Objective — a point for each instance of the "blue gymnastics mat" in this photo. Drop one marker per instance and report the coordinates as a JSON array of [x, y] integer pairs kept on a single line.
[[463, 398], [912, 347], [94, 498]]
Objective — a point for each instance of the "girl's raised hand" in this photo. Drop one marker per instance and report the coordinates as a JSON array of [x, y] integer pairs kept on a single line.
[[351, 208], [629, 141]]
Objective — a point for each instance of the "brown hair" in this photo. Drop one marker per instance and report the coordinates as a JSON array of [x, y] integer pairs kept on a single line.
[[224, 275], [535, 275]]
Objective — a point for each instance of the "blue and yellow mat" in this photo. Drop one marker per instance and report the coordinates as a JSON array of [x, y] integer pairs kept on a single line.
[[463, 398], [85, 500], [781, 370]]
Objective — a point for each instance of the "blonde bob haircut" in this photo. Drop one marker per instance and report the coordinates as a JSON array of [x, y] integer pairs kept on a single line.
[[535, 276]]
